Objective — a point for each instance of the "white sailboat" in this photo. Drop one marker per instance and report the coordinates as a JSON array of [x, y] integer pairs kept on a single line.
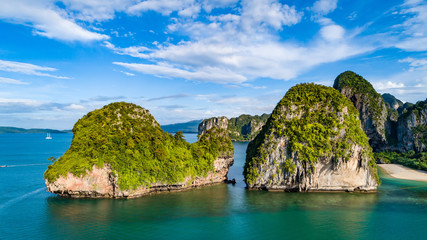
[[48, 136]]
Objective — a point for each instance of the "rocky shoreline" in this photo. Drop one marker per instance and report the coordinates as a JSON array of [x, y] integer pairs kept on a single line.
[[102, 183]]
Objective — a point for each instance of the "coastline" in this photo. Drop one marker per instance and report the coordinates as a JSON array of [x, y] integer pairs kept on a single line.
[[401, 172]]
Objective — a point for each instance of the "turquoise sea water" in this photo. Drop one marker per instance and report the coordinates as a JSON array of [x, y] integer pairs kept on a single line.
[[27, 211]]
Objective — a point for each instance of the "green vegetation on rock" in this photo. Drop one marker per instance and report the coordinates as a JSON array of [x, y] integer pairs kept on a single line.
[[415, 109], [392, 101], [246, 127], [128, 138], [355, 82], [358, 85], [317, 122]]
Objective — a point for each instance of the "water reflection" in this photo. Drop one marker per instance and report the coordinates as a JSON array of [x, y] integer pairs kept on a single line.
[[232, 212]]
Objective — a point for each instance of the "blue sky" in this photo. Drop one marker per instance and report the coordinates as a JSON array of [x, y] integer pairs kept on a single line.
[[193, 59]]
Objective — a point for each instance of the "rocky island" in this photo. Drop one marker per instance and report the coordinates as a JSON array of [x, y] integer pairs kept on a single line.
[[397, 131], [120, 151], [370, 104], [313, 141]]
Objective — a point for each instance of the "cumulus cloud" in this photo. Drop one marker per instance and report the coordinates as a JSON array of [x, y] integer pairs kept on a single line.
[[46, 19], [387, 85], [208, 5], [324, 7], [28, 69], [74, 107], [261, 13], [185, 8], [332, 32], [12, 81], [236, 48], [96, 10]]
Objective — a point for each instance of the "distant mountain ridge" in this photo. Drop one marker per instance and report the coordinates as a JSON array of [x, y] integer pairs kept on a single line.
[[32, 130], [186, 127]]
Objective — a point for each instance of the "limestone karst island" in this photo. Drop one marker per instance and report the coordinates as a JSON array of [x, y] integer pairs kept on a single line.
[[121, 151], [317, 138], [213, 119]]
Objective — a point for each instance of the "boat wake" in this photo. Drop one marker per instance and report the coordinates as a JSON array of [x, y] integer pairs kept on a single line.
[[17, 199], [25, 165]]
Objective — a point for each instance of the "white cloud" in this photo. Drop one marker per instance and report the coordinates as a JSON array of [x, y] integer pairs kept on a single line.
[[27, 68], [242, 58], [414, 28], [127, 73], [12, 81], [387, 85], [185, 8], [74, 107], [235, 48], [134, 51], [410, 85], [324, 7], [96, 10], [257, 14], [29, 102], [415, 62], [46, 19], [204, 74], [332, 32], [208, 5]]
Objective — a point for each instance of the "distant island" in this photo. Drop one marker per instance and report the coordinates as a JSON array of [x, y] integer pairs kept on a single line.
[[185, 127], [31, 130], [242, 128]]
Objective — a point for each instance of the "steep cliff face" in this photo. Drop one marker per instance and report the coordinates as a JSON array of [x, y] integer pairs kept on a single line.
[[242, 128], [393, 107], [412, 128], [121, 151], [246, 127], [313, 141], [207, 124], [371, 106]]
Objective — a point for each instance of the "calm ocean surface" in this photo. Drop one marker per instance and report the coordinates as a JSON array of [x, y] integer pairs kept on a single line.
[[27, 211]]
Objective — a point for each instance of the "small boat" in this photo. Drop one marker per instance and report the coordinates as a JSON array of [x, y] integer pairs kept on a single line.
[[48, 136], [3, 165]]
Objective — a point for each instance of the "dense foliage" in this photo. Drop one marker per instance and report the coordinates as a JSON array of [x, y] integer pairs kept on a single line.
[[129, 139], [415, 109], [324, 124], [245, 127], [391, 101], [360, 86], [409, 159]]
